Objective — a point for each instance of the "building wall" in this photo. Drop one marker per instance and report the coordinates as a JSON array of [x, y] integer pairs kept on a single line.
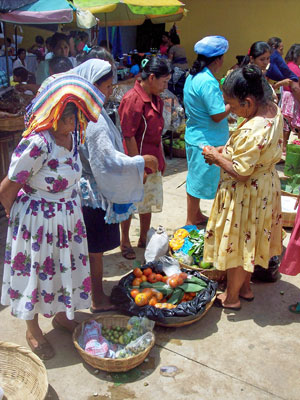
[[242, 22]]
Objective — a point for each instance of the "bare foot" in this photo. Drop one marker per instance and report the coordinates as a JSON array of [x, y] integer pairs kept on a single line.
[[62, 320], [247, 294], [223, 301]]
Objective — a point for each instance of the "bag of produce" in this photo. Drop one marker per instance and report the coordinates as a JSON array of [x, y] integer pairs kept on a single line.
[[157, 244], [149, 292], [292, 161]]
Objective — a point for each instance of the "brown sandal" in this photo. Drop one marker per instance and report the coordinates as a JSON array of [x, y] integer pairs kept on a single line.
[[57, 325], [128, 253], [45, 351]]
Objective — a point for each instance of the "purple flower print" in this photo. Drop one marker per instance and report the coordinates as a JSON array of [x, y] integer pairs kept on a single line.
[[77, 239], [49, 237], [86, 284], [21, 147], [34, 296], [26, 234], [7, 255], [35, 152], [84, 259], [18, 261], [53, 164], [40, 234], [49, 179], [42, 276], [69, 207], [59, 185], [76, 167], [62, 241], [34, 207], [35, 246], [14, 294], [73, 263], [62, 268], [64, 297], [29, 306], [21, 177], [48, 297], [74, 194], [24, 199], [79, 228], [70, 235], [48, 267], [69, 162], [84, 295]]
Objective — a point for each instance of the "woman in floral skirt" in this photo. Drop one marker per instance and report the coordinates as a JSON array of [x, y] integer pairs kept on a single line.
[[46, 261]]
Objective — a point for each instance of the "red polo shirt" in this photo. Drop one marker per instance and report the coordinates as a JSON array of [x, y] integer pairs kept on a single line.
[[134, 105]]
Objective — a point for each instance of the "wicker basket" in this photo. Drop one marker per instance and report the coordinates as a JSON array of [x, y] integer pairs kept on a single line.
[[288, 219], [191, 321], [22, 374], [12, 124], [213, 274], [109, 364]]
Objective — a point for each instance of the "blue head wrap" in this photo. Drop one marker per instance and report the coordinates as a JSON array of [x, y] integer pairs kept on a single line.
[[212, 46]]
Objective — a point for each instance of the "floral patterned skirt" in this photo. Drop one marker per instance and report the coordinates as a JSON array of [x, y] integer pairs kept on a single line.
[[46, 259]]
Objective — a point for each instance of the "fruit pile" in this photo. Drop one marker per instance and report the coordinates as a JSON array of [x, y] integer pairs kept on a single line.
[[296, 141], [161, 291], [115, 334], [178, 143]]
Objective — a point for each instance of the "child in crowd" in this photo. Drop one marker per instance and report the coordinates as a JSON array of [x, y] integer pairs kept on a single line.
[[38, 48], [20, 75], [135, 65], [10, 47]]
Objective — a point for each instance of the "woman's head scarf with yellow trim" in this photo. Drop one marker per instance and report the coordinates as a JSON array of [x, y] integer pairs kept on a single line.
[[46, 109]]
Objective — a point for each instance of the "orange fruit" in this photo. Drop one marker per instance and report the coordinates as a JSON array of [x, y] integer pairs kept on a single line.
[[144, 278], [183, 275], [152, 278], [141, 299], [180, 281], [147, 271], [134, 292], [159, 277], [152, 301], [158, 305], [173, 282], [193, 294], [137, 272], [147, 290], [165, 279], [157, 294], [136, 282]]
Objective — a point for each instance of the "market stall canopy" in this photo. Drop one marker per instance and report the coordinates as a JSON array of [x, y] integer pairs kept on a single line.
[[133, 12], [40, 12], [9, 5]]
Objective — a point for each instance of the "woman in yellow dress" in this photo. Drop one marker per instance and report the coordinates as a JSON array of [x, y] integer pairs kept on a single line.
[[244, 227]]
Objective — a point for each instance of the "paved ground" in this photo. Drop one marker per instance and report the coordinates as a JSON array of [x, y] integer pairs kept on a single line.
[[250, 354]]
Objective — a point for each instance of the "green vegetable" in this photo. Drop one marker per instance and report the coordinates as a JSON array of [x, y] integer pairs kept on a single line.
[[198, 245], [160, 286], [176, 296], [192, 287], [206, 265], [194, 279]]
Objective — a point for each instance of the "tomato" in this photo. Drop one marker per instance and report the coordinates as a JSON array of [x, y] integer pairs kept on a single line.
[[147, 271], [157, 294], [134, 292], [141, 299], [183, 275], [165, 279], [180, 281], [144, 278], [137, 272], [159, 277], [173, 282], [152, 301], [136, 282], [152, 278], [205, 149], [149, 291]]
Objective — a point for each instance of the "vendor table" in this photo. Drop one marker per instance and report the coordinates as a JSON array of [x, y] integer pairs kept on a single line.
[[30, 60]]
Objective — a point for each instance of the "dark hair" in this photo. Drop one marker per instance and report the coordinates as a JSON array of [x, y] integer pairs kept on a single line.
[[60, 64], [96, 52], [202, 62], [22, 73], [103, 43], [257, 49], [20, 50], [293, 53], [247, 81], [8, 40], [83, 35], [135, 59], [39, 40], [69, 110], [49, 41], [174, 38], [274, 43], [165, 34], [57, 37], [157, 66], [104, 78]]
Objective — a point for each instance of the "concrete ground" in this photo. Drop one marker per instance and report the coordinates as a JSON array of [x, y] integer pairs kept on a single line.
[[248, 354]]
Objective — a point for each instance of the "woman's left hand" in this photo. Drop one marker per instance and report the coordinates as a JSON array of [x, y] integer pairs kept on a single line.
[[210, 155]]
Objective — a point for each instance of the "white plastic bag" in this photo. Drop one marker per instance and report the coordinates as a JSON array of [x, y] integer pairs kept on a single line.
[[85, 19], [157, 244]]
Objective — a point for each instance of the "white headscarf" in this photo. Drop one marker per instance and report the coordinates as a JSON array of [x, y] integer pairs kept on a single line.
[[91, 70]]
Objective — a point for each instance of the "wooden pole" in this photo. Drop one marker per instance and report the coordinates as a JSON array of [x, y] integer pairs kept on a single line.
[[6, 54]]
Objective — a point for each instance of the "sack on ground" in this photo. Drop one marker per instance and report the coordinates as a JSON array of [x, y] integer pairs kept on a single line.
[[157, 244]]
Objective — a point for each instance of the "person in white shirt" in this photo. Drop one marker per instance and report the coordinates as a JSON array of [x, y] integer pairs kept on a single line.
[[21, 59]]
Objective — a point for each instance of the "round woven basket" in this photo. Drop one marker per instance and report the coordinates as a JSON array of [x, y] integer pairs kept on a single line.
[[213, 274], [110, 364], [22, 374], [191, 321]]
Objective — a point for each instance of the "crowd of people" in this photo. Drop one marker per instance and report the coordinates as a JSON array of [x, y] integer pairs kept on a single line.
[[75, 179]]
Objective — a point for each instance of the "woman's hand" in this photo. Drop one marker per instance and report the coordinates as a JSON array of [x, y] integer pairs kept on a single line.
[[210, 154], [8, 194], [151, 162]]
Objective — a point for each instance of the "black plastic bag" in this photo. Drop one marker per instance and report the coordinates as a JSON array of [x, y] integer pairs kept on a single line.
[[267, 275], [121, 297]]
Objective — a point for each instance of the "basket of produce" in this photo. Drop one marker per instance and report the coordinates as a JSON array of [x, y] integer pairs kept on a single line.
[[288, 211], [187, 245], [114, 343], [172, 299], [22, 374], [290, 186], [178, 147]]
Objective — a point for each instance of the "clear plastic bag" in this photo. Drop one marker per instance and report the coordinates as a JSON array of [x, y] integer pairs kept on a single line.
[[170, 266], [183, 258]]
